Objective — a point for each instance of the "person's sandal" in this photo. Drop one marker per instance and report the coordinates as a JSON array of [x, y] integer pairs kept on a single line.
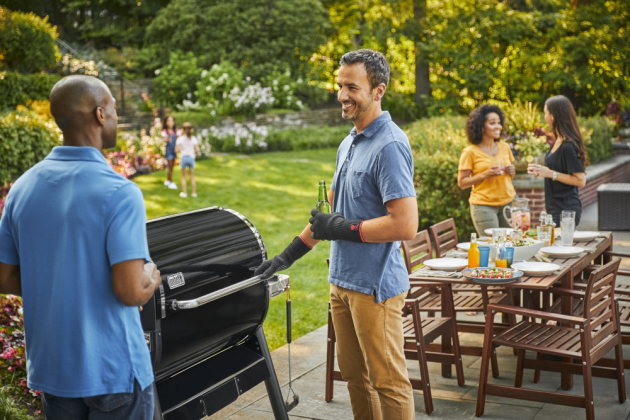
[[183, 194]]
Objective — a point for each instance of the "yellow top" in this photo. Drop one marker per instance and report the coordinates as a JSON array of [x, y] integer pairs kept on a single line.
[[495, 191]]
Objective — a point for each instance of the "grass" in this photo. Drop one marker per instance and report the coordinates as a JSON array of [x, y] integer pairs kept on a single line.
[[276, 192]]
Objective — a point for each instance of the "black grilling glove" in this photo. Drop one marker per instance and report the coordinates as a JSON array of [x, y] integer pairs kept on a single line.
[[296, 250], [333, 226]]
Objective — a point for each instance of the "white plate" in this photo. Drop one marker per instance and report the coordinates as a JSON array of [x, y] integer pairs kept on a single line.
[[464, 246], [447, 264], [579, 236], [562, 251], [536, 268]]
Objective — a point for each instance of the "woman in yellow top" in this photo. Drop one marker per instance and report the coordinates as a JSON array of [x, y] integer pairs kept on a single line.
[[486, 166]]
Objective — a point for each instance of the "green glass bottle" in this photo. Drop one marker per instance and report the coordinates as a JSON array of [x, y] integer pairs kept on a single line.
[[322, 202]]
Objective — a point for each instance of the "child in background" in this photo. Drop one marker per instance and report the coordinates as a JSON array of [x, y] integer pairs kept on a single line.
[[169, 134], [188, 146]]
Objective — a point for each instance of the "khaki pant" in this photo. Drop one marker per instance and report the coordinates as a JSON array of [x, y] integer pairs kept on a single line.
[[371, 355]]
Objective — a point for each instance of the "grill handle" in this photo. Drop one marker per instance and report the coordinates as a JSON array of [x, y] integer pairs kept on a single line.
[[202, 300]]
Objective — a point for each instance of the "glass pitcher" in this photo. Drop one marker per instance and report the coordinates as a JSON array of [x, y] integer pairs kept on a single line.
[[519, 214]]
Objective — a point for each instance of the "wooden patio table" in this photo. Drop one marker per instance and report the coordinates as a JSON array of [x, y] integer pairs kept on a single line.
[[572, 267]]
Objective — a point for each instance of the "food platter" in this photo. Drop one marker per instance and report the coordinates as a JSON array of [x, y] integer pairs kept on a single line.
[[447, 264], [486, 275]]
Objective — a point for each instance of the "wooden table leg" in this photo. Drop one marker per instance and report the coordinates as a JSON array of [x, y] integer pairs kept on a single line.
[[446, 338], [566, 306]]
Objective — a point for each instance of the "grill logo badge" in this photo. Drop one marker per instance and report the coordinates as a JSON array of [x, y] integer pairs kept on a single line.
[[175, 280]]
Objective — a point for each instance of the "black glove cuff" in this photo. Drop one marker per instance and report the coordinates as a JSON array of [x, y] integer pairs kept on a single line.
[[296, 250], [349, 230]]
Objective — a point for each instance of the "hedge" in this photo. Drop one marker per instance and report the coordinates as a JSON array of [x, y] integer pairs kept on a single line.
[[17, 89], [599, 147], [25, 139]]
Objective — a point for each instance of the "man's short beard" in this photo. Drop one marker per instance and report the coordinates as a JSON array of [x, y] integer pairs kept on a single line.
[[361, 109]]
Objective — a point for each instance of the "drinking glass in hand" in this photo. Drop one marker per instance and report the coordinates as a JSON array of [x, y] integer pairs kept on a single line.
[[567, 228]]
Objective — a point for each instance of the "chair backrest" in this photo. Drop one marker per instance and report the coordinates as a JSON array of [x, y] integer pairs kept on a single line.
[[444, 236], [599, 303], [417, 250]]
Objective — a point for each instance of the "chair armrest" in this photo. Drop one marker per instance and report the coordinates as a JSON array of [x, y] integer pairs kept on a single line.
[[424, 283], [564, 319], [568, 292], [616, 254]]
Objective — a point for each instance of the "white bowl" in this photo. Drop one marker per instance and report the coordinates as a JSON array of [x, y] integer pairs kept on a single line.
[[535, 268], [508, 231], [521, 253], [447, 264]]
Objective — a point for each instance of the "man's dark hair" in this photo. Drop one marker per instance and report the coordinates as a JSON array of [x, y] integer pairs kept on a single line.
[[477, 119], [376, 65]]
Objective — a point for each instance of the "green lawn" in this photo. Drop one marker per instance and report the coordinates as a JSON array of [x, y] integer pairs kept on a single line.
[[276, 192]]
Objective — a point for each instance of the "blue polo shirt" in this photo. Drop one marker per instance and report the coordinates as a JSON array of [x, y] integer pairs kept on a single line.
[[67, 220], [373, 167]]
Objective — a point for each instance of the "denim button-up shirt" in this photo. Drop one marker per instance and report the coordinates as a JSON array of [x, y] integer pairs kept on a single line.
[[373, 167]]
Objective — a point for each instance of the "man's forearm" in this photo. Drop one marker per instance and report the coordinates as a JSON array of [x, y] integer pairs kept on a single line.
[[306, 236], [10, 279], [389, 229]]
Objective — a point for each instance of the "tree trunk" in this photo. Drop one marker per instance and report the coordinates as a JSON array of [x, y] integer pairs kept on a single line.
[[423, 85]]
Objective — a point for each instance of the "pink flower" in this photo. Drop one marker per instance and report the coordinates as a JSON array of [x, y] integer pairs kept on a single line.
[[8, 354]]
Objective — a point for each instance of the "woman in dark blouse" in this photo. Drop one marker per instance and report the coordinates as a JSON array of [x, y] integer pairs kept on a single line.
[[565, 162]]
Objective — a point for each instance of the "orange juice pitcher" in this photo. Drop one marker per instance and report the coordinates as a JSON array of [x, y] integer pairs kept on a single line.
[[473, 252]]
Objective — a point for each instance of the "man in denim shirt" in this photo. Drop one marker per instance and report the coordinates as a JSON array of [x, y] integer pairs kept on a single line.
[[374, 208]]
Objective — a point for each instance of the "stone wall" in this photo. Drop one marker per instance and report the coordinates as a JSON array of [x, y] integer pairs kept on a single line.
[[615, 169]]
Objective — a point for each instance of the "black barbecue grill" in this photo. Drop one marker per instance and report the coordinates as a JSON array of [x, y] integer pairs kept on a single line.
[[203, 325]]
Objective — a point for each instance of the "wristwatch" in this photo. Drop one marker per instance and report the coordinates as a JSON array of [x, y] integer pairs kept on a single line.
[[555, 175]]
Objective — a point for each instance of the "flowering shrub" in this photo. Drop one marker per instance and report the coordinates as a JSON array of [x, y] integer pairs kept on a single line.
[[12, 356], [4, 191], [222, 90], [251, 138], [618, 114], [523, 130], [137, 155], [283, 89]]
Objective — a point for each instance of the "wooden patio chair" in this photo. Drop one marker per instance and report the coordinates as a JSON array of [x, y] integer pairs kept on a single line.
[[586, 339], [467, 298], [418, 333]]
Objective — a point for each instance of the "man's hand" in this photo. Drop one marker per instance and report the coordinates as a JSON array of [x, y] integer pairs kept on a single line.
[[134, 281], [332, 227], [296, 250], [151, 271]]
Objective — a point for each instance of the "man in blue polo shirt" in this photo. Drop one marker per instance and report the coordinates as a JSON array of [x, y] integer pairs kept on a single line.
[[374, 208], [73, 245]]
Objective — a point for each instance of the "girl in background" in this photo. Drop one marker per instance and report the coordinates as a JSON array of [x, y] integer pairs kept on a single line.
[[486, 166], [565, 162], [169, 134]]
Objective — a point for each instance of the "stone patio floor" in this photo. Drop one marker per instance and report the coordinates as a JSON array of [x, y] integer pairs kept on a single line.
[[308, 363]]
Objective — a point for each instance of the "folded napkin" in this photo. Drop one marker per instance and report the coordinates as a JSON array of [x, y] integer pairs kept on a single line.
[[425, 272], [542, 257], [454, 253]]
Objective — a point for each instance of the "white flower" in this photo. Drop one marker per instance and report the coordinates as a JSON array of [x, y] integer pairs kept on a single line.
[[158, 71], [204, 73], [275, 82], [208, 88], [248, 78], [213, 112]]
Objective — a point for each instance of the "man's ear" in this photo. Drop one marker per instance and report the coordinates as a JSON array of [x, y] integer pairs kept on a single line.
[[100, 115], [379, 92]]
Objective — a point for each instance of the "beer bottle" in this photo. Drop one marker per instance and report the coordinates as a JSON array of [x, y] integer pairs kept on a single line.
[[322, 202]]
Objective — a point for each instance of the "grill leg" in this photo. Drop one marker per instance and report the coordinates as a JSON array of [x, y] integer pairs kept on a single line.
[[271, 383]]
